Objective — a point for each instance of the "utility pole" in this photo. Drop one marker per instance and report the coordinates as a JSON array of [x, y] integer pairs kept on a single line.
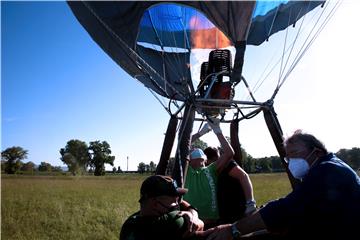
[[127, 164]]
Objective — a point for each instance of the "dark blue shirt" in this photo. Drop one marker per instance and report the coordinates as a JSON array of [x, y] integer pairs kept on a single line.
[[325, 203]]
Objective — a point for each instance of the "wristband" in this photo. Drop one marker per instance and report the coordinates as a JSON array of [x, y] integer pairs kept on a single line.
[[236, 234], [251, 202]]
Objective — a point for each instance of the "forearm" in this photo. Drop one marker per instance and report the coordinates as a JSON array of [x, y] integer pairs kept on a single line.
[[228, 150], [247, 187], [205, 129], [239, 174], [227, 155], [251, 224]]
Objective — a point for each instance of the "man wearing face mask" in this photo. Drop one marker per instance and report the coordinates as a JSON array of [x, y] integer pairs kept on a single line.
[[325, 204], [162, 215]]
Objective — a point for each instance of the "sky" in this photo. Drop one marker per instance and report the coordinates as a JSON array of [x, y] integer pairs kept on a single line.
[[57, 84]]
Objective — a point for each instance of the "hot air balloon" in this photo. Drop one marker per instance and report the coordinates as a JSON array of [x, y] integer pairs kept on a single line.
[[157, 42]]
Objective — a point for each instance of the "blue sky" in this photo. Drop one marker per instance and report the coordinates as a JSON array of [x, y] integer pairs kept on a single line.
[[57, 84]]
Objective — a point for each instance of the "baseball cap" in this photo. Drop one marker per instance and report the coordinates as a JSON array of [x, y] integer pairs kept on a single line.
[[159, 185], [197, 153]]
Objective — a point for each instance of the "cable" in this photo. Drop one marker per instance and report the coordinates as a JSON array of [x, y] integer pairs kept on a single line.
[[131, 52], [327, 19]]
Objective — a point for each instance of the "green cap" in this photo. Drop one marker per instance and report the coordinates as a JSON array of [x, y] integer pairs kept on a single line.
[[159, 185]]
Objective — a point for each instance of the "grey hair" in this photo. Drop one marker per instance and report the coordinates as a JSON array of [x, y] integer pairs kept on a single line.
[[309, 140]]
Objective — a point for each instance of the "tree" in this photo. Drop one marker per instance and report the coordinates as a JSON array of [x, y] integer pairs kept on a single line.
[[28, 167], [247, 160], [44, 167], [147, 168], [152, 166], [198, 143], [354, 158], [2, 165], [350, 156], [76, 156], [141, 167], [72, 163], [100, 155], [276, 164], [263, 164], [249, 164], [12, 157], [170, 166], [114, 170], [56, 169]]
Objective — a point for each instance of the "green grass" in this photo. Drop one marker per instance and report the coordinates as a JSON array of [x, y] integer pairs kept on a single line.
[[64, 207], [269, 186], [67, 207]]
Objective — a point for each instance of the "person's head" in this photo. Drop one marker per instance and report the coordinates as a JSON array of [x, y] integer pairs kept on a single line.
[[197, 158], [302, 146], [212, 154], [159, 195]]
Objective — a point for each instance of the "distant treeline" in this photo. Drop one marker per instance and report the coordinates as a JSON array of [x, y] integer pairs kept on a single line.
[[12, 161], [273, 163], [80, 158]]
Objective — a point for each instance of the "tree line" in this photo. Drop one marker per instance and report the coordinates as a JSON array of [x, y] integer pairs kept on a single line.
[[79, 157], [143, 167], [82, 158], [11, 162], [273, 163]]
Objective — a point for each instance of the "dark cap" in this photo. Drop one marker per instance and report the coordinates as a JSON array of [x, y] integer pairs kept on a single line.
[[159, 185]]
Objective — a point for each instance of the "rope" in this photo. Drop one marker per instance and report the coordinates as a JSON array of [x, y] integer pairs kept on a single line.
[[178, 61], [147, 69], [162, 50], [327, 19], [293, 44], [257, 85], [282, 57], [162, 104], [299, 55], [131, 51], [273, 21], [248, 88]]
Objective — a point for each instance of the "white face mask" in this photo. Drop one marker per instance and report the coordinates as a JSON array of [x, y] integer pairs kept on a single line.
[[298, 167]]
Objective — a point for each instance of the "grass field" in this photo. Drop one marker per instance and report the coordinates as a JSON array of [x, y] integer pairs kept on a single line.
[[63, 207]]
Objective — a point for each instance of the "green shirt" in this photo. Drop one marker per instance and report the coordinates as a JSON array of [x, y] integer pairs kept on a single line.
[[202, 185], [168, 226]]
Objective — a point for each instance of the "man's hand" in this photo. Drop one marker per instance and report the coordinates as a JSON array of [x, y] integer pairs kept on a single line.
[[193, 223], [205, 129], [221, 232], [214, 124]]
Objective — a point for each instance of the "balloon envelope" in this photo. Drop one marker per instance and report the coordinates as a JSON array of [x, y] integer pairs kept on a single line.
[[153, 41]]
